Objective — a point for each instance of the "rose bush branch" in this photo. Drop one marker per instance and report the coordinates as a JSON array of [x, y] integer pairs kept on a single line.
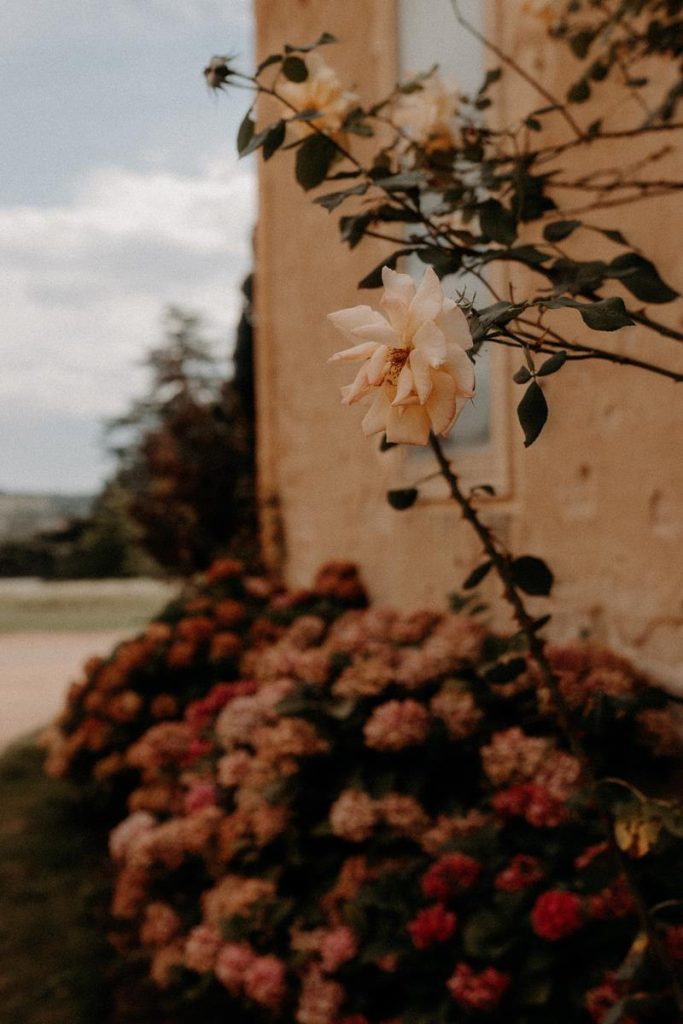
[[504, 566]]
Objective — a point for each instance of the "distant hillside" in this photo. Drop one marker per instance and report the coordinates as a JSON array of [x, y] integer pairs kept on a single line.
[[22, 516]]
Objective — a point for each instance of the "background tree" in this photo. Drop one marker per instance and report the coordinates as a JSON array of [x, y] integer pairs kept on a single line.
[[185, 453]]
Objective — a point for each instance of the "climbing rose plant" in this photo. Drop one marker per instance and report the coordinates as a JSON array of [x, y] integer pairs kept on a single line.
[[449, 186]]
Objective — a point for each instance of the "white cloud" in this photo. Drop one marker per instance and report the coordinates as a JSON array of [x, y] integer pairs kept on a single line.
[[86, 282]]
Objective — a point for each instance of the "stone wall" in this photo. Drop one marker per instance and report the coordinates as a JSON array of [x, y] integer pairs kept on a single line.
[[599, 495]]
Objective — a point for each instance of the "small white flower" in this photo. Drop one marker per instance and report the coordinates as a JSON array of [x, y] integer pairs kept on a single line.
[[413, 358]]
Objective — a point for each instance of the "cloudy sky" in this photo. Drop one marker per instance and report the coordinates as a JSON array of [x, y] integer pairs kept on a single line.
[[120, 194]]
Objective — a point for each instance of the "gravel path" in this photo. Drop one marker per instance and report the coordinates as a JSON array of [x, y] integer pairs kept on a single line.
[[35, 671]]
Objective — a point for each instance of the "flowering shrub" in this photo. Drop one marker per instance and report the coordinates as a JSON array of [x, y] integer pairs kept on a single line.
[[193, 647], [362, 836]]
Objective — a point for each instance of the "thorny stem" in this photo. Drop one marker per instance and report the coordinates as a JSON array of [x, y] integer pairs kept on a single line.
[[511, 63], [502, 565], [588, 352]]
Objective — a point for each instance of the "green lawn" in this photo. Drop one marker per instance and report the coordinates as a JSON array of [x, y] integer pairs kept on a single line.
[[53, 893], [84, 606]]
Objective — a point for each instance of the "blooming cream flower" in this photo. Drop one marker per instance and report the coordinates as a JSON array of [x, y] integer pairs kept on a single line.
[[323, 92], [413, 358], [427, 115]]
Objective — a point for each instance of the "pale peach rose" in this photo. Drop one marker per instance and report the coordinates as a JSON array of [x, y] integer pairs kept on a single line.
[[413, 356], [323, 92], [427, 114]]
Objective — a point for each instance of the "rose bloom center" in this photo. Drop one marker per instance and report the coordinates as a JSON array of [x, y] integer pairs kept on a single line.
[[397, 359]]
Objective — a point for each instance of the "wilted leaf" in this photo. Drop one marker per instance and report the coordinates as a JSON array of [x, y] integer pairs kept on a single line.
[[636, 831]]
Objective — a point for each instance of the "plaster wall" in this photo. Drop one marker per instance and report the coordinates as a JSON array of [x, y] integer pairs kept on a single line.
[[599, 496]]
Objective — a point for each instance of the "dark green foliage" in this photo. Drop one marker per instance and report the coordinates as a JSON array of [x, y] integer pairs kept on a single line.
[[313, 160], [532, 575], [532, 412]]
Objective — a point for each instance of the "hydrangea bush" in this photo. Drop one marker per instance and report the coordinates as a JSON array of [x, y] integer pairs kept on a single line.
[[441, 179], [192, 647], [366, 837]]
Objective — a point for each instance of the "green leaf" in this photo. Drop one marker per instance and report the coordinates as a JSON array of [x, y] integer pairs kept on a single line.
[[528, 254], [334, 199], [322, 40], [614, 236], [497, 223], [560, 229], [477, 575], [552, 365], [506, 671], [579, 92], [581, 43], [533, 413], [532, 575], [403, 498], [274, 58], [294, 68], [522, 375], [641, 277], [313, 159], [605, 315], [274, 139], [400, 182], [256, 141], [492, 76], [245, 133]]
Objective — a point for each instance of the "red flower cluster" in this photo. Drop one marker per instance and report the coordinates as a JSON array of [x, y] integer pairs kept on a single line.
[[482, 991], [674, 942], [433, 924], [201, 714], [612, 902], [556, 914], [601, 999], [531, 802], [522, 872], [451, 874]]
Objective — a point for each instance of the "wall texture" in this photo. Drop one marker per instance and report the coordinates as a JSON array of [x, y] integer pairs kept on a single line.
[[599, 496]]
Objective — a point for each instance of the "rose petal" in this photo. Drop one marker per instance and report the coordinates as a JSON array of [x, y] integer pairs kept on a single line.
[[376, 417], [427, 303], [380, 331], [376, 365], [441, 405], [431, 343], [408, 425], [404, 386], [362, 351], [345, 320], [421, 375], [399, 290], [454, 325], [461, 368]]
